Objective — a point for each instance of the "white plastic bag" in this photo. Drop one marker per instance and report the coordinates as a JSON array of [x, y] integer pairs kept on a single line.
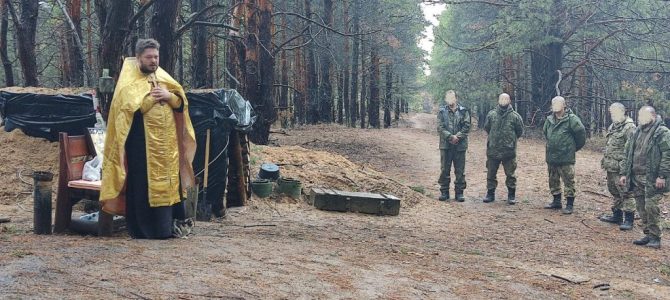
[[92, 169]]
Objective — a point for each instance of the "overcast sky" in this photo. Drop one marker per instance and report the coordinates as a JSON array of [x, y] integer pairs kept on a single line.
[[430, 12]]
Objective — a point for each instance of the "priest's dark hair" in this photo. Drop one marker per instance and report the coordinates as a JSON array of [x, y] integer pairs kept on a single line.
[[143, 44]]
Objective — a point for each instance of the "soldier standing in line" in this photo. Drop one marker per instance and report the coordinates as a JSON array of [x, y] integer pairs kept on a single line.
[[565, 136], [645, 171], [504, 127], [453, 126], [619, 132]]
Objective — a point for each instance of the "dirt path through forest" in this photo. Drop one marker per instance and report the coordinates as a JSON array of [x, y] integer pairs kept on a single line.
[[432, 250]]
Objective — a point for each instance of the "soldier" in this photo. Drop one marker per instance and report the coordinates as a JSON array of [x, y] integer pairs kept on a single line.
[[453, 125], [504, 126], [618, 133], [565, 136], [645, 170]]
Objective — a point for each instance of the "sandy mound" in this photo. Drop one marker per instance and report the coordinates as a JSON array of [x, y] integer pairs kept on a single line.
[[327, 170], [48, 91], [21, 152]]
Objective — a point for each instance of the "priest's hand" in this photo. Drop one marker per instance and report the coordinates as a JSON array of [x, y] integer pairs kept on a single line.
[[161, 94]]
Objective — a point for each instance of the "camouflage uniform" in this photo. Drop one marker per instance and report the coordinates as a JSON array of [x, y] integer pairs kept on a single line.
[[450, 123], [615, 152], [565, 136], [504, 126], [656, 158]]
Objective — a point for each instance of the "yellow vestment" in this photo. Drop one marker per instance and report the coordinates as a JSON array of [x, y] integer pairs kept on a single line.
[[170, 141]]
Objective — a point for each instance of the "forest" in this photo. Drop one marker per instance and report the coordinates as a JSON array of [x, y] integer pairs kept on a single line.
[[298, 62], [607, 51]]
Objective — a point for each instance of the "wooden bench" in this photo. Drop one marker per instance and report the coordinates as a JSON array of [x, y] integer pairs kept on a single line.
[[74, 152]]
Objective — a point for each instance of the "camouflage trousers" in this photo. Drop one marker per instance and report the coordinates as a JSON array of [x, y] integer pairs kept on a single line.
[[647, 199], [623, 200], [449, 157], [492, 166], [565, 173]]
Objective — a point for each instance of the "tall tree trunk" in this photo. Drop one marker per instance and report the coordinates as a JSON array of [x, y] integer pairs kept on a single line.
[[114, 16], [353, 107], [198, 49], [326, 89], [545, 61], [163, 25], [236, 52], [388, 100], [6, 63], [260, 80], [299, 105], [283, 92], [340, 97], [364, 89], [74, 70], [398, 98], [373, 109], [26, 26], [312, 77]]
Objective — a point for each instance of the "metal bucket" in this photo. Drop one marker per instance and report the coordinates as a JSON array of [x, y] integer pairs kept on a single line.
[[262, 188], [290, 187], [42, 202]]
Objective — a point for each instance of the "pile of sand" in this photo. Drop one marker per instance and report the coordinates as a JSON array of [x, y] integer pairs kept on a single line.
[[20, 152], [48, 91], [327, 170]]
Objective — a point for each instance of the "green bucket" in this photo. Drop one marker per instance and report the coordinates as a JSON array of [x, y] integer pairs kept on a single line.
[[262, 188], [290, 187]]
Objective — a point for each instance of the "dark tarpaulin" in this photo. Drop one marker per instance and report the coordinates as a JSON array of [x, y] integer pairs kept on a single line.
[[46, 115], [222, 111]]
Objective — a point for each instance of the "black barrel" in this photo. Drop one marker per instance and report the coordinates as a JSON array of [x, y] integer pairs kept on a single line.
[[42, 202]]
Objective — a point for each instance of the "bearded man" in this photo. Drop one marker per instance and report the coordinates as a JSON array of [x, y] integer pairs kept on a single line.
[[149, 148]]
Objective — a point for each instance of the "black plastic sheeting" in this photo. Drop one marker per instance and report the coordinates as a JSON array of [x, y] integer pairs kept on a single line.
[[222, 111], [45, 116]]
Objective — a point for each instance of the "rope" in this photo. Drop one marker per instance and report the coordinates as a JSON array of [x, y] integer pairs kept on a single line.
[[560, 78], [217, 157]]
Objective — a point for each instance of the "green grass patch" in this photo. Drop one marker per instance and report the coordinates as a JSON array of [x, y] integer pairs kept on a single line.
[[419, 189], [21, 253]]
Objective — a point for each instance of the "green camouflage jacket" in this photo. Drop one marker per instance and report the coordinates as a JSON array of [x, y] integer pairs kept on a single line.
[[453, 123], [615, 152], [658, 156], [564, 137], [504, 127]]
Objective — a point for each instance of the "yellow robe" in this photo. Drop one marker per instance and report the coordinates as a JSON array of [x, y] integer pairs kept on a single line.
[[170, 141]]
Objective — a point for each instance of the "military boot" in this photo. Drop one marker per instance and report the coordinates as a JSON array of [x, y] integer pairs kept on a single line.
[[615, 218], [654, 243], [511, 196], [459, 196], [556, 204], [568, 206], [628, 220], [643, 241], [444, 195], [490, 196]]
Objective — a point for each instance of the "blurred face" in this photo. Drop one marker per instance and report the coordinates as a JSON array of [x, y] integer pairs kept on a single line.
[[504, 100], [148, 60], [618, 114], [558, 104], [645, 117], [450, 98]]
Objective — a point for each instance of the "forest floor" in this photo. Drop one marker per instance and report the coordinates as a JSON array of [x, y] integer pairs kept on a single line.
[[432, 250]]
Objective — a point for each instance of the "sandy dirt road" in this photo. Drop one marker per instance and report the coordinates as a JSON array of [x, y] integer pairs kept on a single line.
[[433, 250]]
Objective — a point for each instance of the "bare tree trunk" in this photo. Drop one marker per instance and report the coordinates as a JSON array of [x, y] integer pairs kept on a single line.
[[74, 74], [373, 109], [299, 104], [163, 25], [260, 80], [114, 16], [6, 63], [326, 89], [312, 77], [388, 100], [364, 90], [353, 107], [26, 26], [236, 52], [398, 99], [198, 49]]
